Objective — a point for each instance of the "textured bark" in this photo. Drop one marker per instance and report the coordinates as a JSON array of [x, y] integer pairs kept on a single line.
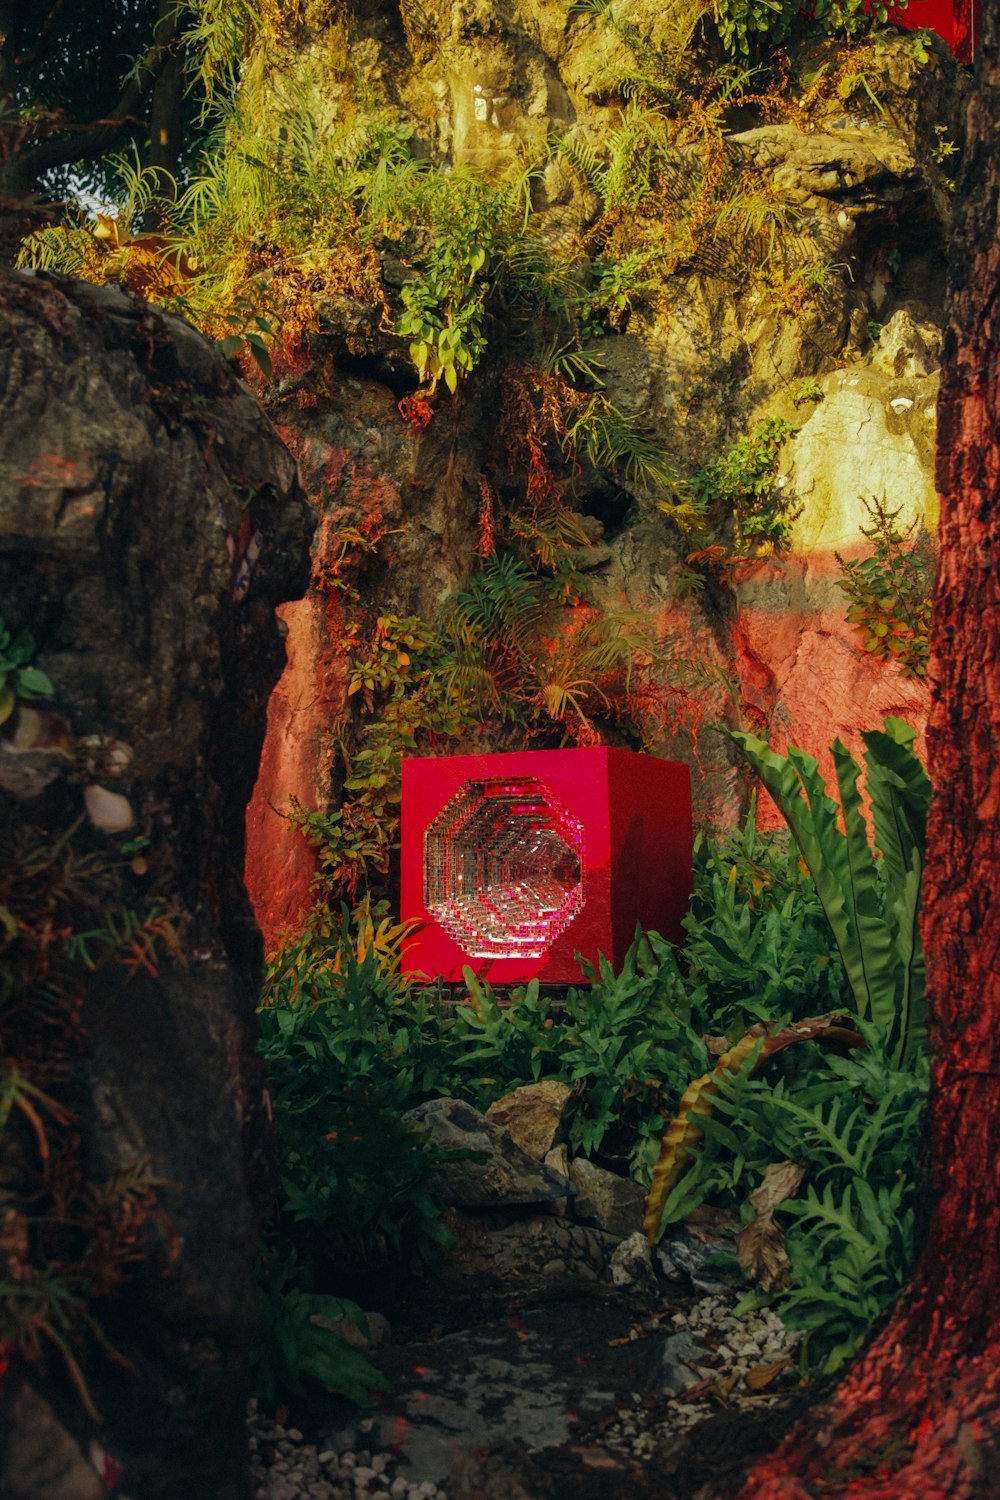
[[919, 1415]]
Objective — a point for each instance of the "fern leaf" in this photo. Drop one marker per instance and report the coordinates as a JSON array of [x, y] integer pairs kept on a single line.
[[875, 956], [900, 790]]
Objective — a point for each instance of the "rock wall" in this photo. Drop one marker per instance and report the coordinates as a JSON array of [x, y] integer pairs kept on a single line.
[[862, 195], [150, 522]]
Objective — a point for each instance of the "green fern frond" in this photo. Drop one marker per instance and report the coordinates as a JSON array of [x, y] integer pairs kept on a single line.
[[614, 440]]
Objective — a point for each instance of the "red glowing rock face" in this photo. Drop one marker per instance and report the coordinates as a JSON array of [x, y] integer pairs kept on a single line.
[[513, 863]]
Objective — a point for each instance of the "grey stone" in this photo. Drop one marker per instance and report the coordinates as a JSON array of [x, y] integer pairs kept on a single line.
[[632, 1264], [614, 1204], [680, 1355], [503, 1174]]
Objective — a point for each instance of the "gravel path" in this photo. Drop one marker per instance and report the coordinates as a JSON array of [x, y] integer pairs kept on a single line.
[[706, 1356], [285, 1467]]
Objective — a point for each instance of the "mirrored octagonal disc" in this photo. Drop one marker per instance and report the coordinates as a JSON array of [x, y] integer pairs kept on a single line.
[[504, 868]]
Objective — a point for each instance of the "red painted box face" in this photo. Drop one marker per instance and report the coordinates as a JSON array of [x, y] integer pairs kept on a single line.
[[957, 21], [514, 863]]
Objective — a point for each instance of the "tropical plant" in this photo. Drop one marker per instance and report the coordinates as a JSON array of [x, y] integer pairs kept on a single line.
[[19, 680], [872, 904], [741, 490], [890, 590], [679, 1146], [298, 1341], [853, 1125]]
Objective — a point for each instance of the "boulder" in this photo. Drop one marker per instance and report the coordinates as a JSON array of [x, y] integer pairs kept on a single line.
[[536, 1248], [496, 1172], [609, 1202], [150, 522], [534, 1115], [558, 1160], [632, 1264]]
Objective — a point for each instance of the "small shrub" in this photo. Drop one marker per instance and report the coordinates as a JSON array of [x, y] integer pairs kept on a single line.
[[19, 680], [742, 484], [890, 591]]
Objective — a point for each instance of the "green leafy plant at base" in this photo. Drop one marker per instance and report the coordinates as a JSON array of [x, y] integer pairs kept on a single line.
[[342, 1044], [872, 904], [856, 1124], [298, 1342], [19, 680], [342, 1070], [890, 591]]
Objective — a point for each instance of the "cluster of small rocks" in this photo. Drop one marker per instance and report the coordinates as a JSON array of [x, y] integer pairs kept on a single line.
[[285, 1467], [711, 1357]]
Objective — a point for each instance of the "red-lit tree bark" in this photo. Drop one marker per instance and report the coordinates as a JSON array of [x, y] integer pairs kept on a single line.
[[918, 1417]]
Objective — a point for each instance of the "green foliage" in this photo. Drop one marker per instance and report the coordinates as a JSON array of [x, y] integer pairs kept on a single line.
[[747, 25], [474, 228], [622, 1041], [741, 484], [806, 389], [342, 1046], [744, 24], [351, 1042], [19, 680], [872, 904], [758, 944], [296, 1344], [758, 941], [890, 591], [857, 1123]]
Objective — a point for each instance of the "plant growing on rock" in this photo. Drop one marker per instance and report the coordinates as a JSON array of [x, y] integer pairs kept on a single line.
[[742, 489], [890, 591]]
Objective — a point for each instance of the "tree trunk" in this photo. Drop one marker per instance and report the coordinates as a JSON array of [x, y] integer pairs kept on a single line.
[[918, 1417]]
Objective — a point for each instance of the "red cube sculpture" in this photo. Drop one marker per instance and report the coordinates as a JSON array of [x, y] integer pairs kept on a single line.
[[511, 864], [957, 21]]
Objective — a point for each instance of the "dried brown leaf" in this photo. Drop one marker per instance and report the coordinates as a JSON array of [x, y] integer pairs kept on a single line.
[[760, 1246], [781, 1180], [761, 1376]]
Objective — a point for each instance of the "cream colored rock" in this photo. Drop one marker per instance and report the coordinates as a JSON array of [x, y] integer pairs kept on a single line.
[[108, 811], [608, 1202], [857, 444]]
